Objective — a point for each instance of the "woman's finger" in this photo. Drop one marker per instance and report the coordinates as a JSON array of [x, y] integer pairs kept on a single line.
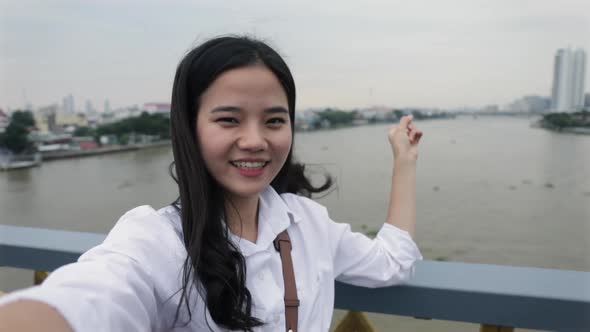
[[413, 135], [405, 121], [410, 127], [417, 137], [409, 134]]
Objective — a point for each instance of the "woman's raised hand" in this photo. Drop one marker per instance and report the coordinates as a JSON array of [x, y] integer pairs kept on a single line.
[[404, 139]]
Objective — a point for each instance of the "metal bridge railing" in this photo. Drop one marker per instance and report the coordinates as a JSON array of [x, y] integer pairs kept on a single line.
[[499, 298]]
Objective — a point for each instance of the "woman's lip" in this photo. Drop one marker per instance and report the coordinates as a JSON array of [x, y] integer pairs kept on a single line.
[[233, 162], [251, 172], [248, 160]]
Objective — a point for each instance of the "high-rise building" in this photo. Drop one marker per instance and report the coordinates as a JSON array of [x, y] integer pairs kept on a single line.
[[569, 71], [68, 106], [89, 108], [578, 76], [107, 106]]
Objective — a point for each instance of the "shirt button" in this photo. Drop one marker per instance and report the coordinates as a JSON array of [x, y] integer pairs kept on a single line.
[[261, 276]]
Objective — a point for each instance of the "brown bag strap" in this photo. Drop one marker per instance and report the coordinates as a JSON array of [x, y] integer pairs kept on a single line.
[[283, 245]]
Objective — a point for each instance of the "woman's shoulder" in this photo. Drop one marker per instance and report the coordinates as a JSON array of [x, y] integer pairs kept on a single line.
[[146, 221], [303, 206], [143, 231]]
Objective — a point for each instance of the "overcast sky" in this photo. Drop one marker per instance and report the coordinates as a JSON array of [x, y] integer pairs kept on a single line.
[[346, 54]]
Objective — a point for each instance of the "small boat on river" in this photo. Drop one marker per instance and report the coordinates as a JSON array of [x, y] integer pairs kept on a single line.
[[19, 162]]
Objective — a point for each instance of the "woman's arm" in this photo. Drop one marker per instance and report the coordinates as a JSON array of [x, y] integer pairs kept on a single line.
[[404, 140], [389, 258], [112, 287], [28, 315]]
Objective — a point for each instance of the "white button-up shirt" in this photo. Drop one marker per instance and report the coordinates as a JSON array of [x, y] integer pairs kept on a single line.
[[131, 281]]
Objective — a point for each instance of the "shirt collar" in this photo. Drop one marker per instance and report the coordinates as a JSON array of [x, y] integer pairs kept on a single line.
[[274, 216], [273, 206]]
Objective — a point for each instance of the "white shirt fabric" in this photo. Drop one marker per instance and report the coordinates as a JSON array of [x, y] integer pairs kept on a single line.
[[131, 281]]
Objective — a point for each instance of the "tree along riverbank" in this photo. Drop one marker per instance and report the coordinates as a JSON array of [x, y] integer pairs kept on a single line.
[[576, 123]]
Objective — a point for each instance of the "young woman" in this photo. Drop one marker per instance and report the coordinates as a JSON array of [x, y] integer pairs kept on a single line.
[[208, 261]]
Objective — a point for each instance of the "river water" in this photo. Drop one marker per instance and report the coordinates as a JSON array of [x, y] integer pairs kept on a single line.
[[489, 190]]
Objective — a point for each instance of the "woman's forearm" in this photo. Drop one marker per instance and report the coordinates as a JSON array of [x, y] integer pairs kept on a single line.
[[31, 316], [402, 204]]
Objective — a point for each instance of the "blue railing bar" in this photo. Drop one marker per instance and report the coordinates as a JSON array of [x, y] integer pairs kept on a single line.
[[556, 300], [43, 249], [520, 297]]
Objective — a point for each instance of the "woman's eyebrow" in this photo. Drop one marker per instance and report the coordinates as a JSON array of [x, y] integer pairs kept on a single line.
[[232, 109], [276, 109]]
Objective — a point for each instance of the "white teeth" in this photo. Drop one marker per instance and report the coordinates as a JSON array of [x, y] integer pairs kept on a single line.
[[248, 164]]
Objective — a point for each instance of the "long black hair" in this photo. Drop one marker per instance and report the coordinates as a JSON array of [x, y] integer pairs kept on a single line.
[[214, 264]]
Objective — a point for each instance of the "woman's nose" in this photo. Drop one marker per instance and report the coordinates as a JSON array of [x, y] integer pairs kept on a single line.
[[252, 139]]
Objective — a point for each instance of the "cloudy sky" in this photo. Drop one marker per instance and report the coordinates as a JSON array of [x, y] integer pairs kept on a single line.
[[343, 53]]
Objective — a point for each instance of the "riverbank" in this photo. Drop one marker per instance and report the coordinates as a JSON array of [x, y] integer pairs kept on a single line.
[[58, 155], [573, 123], [571, 130]]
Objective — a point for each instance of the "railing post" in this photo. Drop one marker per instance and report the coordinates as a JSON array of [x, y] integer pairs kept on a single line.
[[495, 328], [40, 276], [355, 321]]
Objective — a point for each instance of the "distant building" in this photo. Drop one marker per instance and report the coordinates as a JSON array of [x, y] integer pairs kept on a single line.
[[45, 118], [569, 72], [76, 120], [68, 106], [157, 108], [89, 109], [50, 143], [376, 114], [306, 120], [49, 120], [531, 104], [120, 114], [491, 109], [578, 78], [107, 106], [587, 100], [4, 121]]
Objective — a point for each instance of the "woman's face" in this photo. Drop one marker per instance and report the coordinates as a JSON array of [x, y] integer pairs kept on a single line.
[[244, 129]]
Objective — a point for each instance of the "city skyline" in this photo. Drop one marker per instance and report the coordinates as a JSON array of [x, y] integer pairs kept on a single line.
[[342, 54]]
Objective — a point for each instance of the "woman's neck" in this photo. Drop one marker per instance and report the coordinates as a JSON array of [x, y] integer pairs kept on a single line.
[[242, 217]]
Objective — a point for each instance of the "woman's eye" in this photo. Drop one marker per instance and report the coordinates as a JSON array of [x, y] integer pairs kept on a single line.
[[227, 120], [276, 121]]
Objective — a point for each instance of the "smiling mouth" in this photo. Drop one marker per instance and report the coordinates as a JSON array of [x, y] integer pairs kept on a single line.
[[249, 165]]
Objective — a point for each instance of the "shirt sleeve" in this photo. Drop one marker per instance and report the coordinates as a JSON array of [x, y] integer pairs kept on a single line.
[[110, 288], [386, 260]]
